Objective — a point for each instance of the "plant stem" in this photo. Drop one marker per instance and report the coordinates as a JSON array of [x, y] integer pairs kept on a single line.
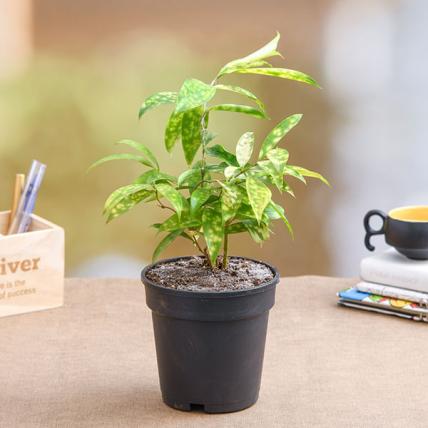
[[162, 205], [225, 250]]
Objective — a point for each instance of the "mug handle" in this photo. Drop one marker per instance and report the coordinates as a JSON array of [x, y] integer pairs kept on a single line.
[[370, 231]]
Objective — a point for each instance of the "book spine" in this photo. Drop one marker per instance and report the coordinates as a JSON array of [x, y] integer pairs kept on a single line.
[[395, 276]]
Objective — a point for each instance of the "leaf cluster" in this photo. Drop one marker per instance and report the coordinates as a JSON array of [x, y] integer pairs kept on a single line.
[[222, 193]]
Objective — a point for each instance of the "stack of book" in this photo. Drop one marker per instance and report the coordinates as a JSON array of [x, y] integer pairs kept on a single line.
[[390, 284]]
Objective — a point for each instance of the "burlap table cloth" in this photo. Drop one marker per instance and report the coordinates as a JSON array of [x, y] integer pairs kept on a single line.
[[92, 363]]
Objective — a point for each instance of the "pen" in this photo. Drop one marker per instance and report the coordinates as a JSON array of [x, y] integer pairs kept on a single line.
[[17, 192]]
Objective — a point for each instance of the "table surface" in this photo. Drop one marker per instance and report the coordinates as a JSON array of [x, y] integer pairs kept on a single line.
[[92, 363]]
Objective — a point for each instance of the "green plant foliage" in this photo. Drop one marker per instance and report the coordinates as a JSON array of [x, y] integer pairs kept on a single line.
[[157, 99], [221, 193]]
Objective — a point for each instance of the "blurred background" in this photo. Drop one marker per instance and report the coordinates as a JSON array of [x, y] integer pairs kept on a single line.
[[73, 74]]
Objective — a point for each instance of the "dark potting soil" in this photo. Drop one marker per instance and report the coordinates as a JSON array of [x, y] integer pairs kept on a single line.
[[194, 275]]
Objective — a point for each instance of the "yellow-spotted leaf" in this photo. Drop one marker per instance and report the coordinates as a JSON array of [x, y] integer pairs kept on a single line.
[[277, 133], [308, 173], [259, 196], [154, 176], [193, 93], [253, 59], [173, 196], [198, 198], [191, 137], [165, 242], [219, 152], [121, 156], [143, 149], [240, 109], [279, 158], [124, 198], [244, 148], [231, 198], [280, 211], [242, 91], [289, 170], [157, 99], [173, 130], [272, 172], [283, 73], [212, 226], [230, 171]]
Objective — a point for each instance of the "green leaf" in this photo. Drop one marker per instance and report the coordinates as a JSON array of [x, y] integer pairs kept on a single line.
[[212, 226], [244, 92], [220, 152], [238, 227], [289, 170], [190, 176], [174, 197], [191, 138], [259, 232], [259, 196], [231, 197], [173, 130], [272, 172], [143, 149], [174, 223], [277, 133], [279, 158], [244, 148], [209, 136], [198, 198], [240, 109], [124, 198], [230, 171], [308, 173], [266, 51], [157, 99], [153, 176], [193, 93], [280, 212], [284, 73], [121, 156], [165, 242]]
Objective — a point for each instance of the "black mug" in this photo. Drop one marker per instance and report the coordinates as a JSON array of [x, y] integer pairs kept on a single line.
[[405, 229]]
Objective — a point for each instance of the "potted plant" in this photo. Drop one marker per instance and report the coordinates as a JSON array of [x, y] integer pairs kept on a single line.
[[210, 312]]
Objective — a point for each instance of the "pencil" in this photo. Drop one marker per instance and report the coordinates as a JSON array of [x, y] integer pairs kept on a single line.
[[17, 191]]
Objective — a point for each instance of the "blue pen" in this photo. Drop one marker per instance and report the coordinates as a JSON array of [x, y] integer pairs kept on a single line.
[[22, 220]]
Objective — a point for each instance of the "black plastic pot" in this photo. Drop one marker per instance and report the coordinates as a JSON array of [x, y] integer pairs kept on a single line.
[[210, 345]]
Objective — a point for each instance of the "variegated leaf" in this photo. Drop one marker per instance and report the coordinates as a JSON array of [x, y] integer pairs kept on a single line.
[[191, 137], [193, 93], [174, 223], [242, 91], [279, 158], [244, 148], [259, 232], [240, 109], [277, 133], [173, 130], [154, 176], [272, 172], [174, 197], [238, 227], [219, 152], [267, 51], [124, 198], [284, 73], [212, 226], [259, 196], [190, 177], [143, 149], [289, 170], [230, 171], [157, 99], [280, 212], [165, 242], [308, 173], [198, 198], [121, 156], [231, 197]]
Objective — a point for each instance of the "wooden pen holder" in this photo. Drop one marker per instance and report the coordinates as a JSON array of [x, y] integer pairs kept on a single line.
[[31, 267]]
